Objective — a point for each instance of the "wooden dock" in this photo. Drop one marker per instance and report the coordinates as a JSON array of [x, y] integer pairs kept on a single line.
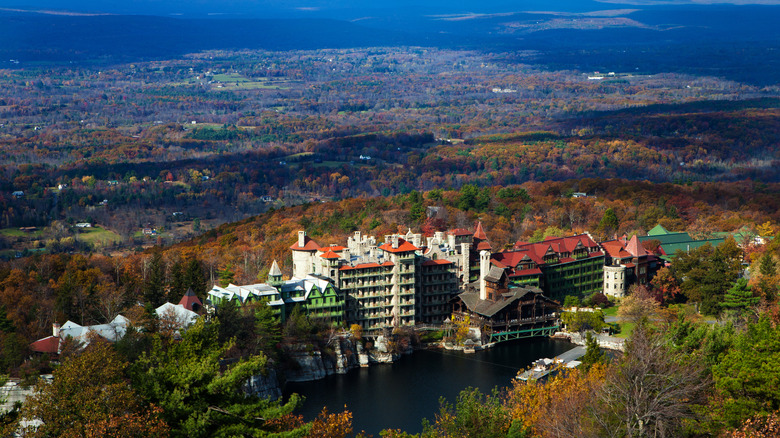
[[544, 367]]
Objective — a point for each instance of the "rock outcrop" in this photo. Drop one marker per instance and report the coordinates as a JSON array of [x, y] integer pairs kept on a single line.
[[264, 385], [309, 363]]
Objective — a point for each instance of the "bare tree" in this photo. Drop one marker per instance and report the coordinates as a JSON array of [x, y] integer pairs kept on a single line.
[[110, 301], [638, 305], [651, 391]]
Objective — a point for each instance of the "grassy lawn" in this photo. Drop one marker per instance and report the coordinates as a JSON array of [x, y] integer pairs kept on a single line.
[[625, 329], [611, 311], [328, 164], [299, 155], [98, 235], [16, 232], [230, 77]]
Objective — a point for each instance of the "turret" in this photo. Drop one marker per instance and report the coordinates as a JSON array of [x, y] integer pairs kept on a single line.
[[275, 275]]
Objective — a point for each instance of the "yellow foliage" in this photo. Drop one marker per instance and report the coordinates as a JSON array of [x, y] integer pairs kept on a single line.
[[558, 407]]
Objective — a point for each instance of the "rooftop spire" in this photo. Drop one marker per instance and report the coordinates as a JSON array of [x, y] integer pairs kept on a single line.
[[275, 271]]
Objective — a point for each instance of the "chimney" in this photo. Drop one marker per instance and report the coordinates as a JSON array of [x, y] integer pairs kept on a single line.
[[394, 241], [301, 238], [484, 269], [465, 260], [347, 255], [55, 328]]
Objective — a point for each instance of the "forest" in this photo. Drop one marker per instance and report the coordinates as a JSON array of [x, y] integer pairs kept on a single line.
[[127, 180], [220, 136], [703, 361]]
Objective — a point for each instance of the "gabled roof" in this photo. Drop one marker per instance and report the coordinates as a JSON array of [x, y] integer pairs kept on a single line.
[[668, 238], [489, 308], [403, 246], [329, 255], [460, 232], [495, 274], [658, 230], [189, 299], [50, 344], [563, 247], [247, 292], [183, 316], [111, 331], [308, 245], [334, 248], [306, 284], [615, 249]]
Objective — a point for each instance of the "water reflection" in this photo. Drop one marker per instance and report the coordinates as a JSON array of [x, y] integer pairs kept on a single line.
[[400, 395]]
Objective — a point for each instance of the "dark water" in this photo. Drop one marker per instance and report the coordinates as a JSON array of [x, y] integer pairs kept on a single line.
[[400, 395]]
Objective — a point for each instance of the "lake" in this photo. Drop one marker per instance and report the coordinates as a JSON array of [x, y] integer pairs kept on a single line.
[[401, 394]]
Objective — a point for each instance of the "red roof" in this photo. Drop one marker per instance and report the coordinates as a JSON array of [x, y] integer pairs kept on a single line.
[[615, 249], [499, 264], [436, 262], [635, 248], [329, 255], [535, 252], [365, 265], [524, 272], [50, 344], [189, 300], [460, 232], [308, 245], [630, 265], [334, 248], [562, 244], [479, 233], [403, 246], [484, 246]]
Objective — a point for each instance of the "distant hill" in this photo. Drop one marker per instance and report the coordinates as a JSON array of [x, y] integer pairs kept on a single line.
[[737, 42]]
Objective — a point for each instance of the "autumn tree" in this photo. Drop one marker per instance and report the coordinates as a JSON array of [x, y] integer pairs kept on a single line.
[[767, 284], [327, 425], [563, 406], [200, 395], [759, 426], [474, 415], [666, 286], [91, 397], [638, 305]]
